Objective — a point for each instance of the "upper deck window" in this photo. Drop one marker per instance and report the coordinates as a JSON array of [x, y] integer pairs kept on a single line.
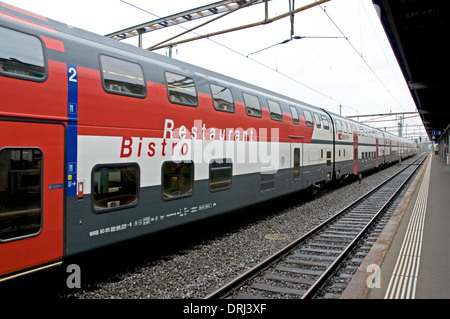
[[21, 55], [308, 118], [317, 118], [181, 89], [275, 110], [294, 114], [222, 98], [122, 77], [252, 105], [326, 124], [338, 125]]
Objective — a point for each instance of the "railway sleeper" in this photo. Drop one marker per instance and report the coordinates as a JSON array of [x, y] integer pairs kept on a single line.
[[321, 251], [327, 243], [338, 239], [313, 257], [343, 236], [299, 270], [277, 289], [294, 280], [250, 296], [343, 231], [306, 262]]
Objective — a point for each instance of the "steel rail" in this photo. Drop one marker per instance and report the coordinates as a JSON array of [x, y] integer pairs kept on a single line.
[[320, 281], [240, 280]]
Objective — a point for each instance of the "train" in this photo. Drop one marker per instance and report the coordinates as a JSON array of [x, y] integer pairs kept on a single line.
[[102, 142]]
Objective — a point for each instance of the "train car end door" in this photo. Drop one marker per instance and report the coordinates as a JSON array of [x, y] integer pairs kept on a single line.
[[355, 153], [31, 196], [296, 150]]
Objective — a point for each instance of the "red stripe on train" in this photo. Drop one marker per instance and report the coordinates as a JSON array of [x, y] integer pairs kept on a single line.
[[53, 44], [33, 24], [28, 13]]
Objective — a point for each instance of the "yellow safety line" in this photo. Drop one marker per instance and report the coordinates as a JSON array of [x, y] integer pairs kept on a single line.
[[31, 271]]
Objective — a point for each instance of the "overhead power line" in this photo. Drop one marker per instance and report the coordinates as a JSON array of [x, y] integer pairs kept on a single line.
[[243, 55], [359, 54], [297, 37]]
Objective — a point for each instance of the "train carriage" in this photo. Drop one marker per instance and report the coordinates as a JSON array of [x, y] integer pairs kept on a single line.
[[101, 142]]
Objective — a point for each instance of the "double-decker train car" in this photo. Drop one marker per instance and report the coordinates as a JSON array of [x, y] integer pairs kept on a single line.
[[101, 142]]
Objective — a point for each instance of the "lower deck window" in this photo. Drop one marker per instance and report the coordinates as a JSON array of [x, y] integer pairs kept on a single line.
[[20, 193], [220, 174], [177, 180], [115, 186]]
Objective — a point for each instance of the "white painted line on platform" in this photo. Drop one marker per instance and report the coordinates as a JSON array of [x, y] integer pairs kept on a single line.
[[404, 277]]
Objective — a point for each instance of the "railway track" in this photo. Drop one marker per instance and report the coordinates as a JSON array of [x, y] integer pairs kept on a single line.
[[301, 268]]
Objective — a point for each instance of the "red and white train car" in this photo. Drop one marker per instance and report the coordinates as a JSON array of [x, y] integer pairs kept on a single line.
[[101, 142]]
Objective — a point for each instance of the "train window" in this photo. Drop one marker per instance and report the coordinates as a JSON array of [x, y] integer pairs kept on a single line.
[[122, 77], [275, 110], [177, 180], [317, 118], [222, 98], [181, 89], [21, 55], [20, 193], [252, 105], [220, 174], [294, 114], [339, 125], [115, 186], [326, 124], [308, 118]]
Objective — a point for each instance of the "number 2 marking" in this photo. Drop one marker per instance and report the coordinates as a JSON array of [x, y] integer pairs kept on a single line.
[[73, 74]]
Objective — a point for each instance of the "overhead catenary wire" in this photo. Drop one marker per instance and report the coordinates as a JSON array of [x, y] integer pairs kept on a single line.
[[297, 37], [359, 54], [266, 21], [243, 55]]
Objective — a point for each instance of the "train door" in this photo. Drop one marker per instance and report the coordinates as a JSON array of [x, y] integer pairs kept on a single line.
[[355, 153], [31, 195], [376, 153], [390, 151], [296, 160]]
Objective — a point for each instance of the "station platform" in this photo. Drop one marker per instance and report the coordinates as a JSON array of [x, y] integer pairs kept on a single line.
[[411, 258]]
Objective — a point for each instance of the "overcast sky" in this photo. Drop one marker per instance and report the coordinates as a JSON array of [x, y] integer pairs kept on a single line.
[[355, 73]]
